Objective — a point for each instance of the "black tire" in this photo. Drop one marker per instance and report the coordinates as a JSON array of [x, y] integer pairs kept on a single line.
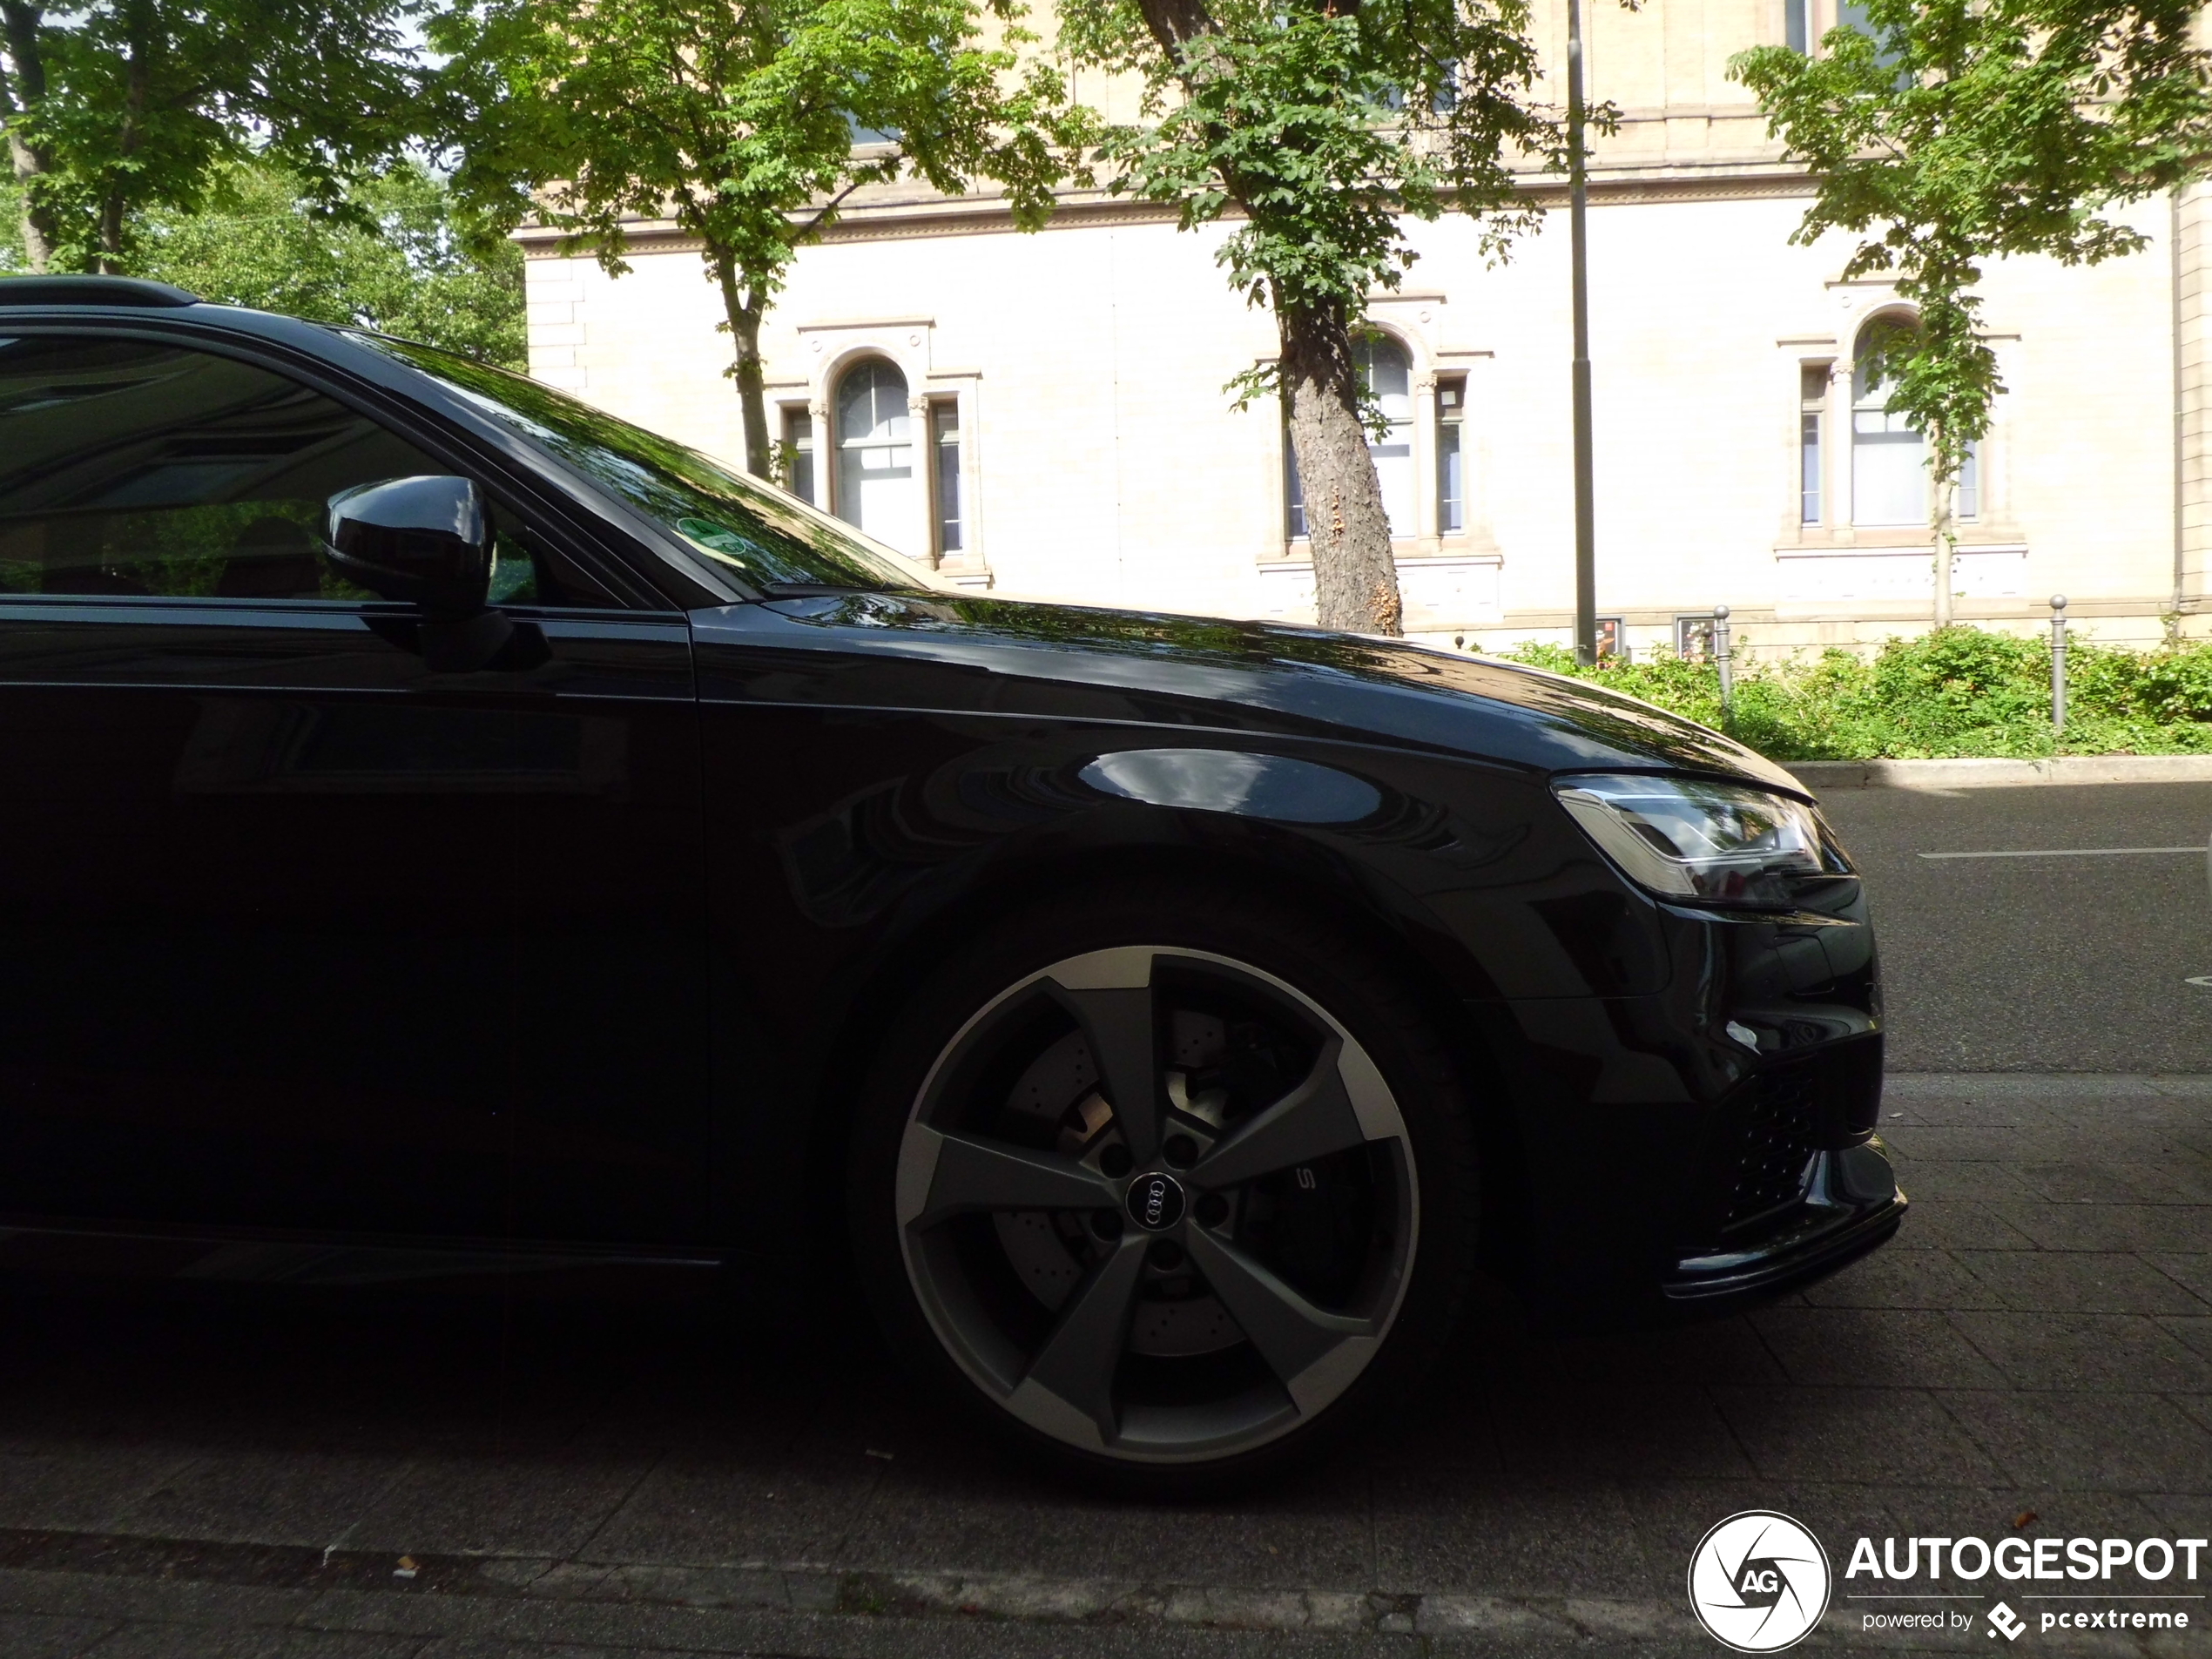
[[1353, 1264]]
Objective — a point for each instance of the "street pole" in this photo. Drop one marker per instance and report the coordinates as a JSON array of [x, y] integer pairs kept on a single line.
[[1585, 500]]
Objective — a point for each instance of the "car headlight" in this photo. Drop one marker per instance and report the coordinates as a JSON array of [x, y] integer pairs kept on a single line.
[[1706, 842]]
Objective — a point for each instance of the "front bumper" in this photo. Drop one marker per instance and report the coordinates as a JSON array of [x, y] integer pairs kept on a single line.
[[1849, 1203]]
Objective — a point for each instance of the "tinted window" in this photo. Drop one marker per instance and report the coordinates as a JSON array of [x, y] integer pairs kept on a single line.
[[132, 466], [769, 537]]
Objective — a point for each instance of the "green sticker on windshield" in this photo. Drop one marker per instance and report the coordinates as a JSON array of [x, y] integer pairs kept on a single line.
[[715, 538]]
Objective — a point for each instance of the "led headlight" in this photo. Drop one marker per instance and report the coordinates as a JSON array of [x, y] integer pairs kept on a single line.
[[1705, 842]]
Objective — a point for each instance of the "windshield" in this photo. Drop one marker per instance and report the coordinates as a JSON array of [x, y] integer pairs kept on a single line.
[[769, 538]]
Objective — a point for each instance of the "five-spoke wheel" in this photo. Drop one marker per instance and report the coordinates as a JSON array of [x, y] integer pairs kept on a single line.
[[1157, 1204]]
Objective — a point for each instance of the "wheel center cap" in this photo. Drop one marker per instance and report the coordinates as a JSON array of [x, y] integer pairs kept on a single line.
[[1156, 1201]]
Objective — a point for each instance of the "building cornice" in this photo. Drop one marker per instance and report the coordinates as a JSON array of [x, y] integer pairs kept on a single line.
[[901, 214]]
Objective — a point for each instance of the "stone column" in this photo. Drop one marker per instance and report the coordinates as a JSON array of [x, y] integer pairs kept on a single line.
[[825, 454], [1425, 534], [922, 546]]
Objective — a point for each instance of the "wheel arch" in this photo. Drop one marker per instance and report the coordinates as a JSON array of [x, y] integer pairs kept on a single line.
[[1382, 921]]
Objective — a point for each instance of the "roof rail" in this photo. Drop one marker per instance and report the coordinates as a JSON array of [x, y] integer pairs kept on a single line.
[[92, 291]]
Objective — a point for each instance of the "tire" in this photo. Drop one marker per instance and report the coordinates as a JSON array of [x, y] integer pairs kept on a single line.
[[1176, 1304]]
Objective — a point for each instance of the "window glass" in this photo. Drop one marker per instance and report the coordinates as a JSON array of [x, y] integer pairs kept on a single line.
[[1889, 480], [878, 486], [944, 428], [765, 534], [799, 451], [1389, 376], [1451, 457], [1813, 406], [134, 466], [1968, 502]]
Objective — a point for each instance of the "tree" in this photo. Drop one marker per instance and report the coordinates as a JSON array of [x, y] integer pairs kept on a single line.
[[115, 107], [1322, 124], [1951, 132], [750, 122], [413, 264]]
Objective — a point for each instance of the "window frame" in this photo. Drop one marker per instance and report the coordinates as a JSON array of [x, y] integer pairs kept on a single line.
[[789, 415], [1815, 444], [939, 404], [833, 444], [1457, 386]]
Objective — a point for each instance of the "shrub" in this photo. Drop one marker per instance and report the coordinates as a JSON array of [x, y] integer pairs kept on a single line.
[[1956, 691]]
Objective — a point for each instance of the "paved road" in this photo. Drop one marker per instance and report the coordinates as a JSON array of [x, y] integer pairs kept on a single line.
[[2040, 964], [244, 1474]]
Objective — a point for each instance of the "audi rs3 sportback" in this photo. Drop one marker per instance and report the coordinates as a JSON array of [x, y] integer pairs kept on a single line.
[[445, 819]]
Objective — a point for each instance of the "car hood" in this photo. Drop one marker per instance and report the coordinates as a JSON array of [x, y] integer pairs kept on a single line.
[[1256, 676]]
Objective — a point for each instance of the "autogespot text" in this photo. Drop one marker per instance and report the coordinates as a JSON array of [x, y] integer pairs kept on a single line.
[[2139, 1578]]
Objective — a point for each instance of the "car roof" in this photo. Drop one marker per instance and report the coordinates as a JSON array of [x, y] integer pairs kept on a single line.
[[92, 291]]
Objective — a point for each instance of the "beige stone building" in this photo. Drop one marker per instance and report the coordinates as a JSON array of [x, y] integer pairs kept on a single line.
[[1044, 414]]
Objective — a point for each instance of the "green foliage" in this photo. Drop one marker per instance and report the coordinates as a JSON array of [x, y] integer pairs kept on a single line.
[[1957, 132], [406, 260], [116, 108], [738, 120], [1958, 691], [1327, 126]]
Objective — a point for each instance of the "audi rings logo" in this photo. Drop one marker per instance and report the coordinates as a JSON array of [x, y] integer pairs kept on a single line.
[[1156, 1201], [1759, 1582]]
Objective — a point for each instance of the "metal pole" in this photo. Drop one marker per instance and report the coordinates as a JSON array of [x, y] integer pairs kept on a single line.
[[1585, 498], [2057, 662], [1724, 658]]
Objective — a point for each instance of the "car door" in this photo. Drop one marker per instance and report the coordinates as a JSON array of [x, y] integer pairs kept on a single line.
[[297, 932]]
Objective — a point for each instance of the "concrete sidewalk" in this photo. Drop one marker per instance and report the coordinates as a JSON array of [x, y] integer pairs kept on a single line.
[[244, 1476]]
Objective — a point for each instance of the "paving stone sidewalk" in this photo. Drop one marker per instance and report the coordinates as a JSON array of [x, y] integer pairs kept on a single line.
[[181, 1475]]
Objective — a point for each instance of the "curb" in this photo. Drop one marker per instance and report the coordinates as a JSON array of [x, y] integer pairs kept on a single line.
[[1821, 775]]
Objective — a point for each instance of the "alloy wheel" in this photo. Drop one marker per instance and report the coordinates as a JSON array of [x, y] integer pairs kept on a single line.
[[1158, 1202]]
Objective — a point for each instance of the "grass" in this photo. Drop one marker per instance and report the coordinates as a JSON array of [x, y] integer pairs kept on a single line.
[[1954, 692]]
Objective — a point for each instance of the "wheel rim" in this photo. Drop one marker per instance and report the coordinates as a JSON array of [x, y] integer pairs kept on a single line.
[[1157, 1202]]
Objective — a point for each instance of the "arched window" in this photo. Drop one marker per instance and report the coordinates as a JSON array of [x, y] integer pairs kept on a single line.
[[878, 484], [1389, 377], [1889, 473]]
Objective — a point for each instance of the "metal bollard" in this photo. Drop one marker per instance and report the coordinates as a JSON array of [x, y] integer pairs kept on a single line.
[[2057, 662], [1724, 660]]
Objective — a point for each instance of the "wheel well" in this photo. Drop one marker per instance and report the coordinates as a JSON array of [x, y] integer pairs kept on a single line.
[[878, 999]]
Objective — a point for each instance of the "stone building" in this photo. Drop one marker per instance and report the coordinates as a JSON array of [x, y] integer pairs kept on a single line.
[[1045, 415]]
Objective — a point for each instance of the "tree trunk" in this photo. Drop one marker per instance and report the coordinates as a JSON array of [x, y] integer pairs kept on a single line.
[[1946, 552], [115, 204], [1355, 580], [744, 313], [40, 229]]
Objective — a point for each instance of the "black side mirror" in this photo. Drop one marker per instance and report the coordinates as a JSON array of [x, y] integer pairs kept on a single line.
[[425, 541]]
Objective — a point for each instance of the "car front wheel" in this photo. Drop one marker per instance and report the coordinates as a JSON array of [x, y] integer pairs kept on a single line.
[[1166, 1184]]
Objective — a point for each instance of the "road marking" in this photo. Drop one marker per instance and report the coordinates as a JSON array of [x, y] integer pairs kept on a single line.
[[2067, 853], [2205, 980]]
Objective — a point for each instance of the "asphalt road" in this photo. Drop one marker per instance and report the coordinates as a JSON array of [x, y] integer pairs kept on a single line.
[[2040, 964], [531, 1473]]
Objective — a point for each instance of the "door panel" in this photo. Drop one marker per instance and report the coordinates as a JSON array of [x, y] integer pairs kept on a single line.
[[415, 954], [258, 924], [294, 932]]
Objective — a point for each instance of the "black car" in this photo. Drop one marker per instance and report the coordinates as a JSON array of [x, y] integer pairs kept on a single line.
[[444, 819]]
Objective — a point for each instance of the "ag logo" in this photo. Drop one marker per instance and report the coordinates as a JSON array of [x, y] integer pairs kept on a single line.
[[1759, 1582]]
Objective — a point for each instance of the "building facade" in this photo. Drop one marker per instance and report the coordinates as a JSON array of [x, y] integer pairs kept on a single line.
[[1044, 413]]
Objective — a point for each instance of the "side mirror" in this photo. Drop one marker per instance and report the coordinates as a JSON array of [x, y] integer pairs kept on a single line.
[[424, 540]]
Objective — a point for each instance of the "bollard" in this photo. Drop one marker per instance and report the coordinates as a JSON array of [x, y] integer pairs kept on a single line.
[[1722, 658], [2057, 662]]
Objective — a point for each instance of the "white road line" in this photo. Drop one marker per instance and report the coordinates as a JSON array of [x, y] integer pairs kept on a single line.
[[2067, 853]]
